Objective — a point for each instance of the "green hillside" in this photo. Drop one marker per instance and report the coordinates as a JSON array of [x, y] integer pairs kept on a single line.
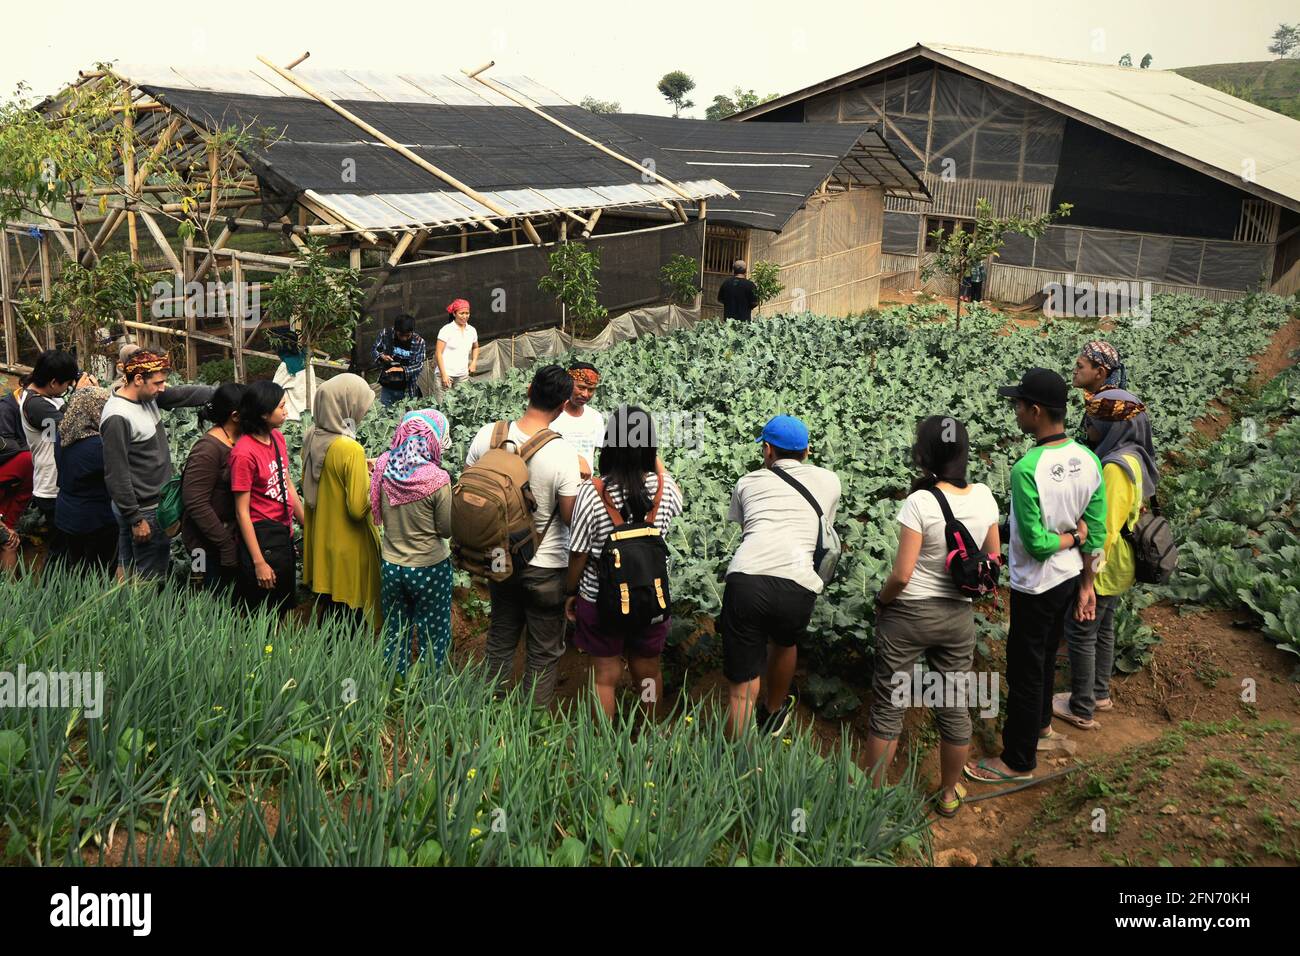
[[1273, 84]]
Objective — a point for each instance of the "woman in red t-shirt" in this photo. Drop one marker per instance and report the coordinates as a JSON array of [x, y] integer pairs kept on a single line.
[[265, 500]]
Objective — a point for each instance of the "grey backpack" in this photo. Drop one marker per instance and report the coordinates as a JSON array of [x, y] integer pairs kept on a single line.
[[826, 555], [1155, 555]]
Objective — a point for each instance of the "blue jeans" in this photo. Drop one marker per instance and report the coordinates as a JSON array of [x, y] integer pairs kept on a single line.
[[387, 396], [146, 558]]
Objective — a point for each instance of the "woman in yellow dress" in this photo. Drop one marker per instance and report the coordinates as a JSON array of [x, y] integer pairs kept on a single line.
[[340, 542]]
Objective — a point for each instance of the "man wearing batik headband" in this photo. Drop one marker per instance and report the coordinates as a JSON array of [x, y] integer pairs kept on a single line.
[[1097, 371], [1116, 427], [137, 462], [579, 424]]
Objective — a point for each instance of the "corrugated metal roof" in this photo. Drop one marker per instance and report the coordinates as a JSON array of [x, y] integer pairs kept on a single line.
[[1238, 142]]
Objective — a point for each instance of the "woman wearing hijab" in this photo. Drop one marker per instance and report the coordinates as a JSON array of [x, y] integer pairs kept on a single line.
[[340, 544], [1119, 433], [208, 525], [82, 509], [410, 496]]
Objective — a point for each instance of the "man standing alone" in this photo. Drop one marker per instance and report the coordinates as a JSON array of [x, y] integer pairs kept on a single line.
[[739, 296]]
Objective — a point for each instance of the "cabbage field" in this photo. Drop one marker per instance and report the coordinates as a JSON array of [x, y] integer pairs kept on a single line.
[[229, 741], [861, 385]]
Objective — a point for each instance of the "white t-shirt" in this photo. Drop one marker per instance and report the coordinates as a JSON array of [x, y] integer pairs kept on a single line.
[[458, 348], [779, 525], [585, 432], [552, 472], [921, 512]]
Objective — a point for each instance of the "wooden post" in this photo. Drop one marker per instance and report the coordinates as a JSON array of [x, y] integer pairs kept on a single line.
[[128, 180], [47, 282], [10, 326], [237, 318]]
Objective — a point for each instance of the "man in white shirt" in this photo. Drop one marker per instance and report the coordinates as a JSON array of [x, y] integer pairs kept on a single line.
[[581, 425], [772, 584], [457, 350], [531, 601]]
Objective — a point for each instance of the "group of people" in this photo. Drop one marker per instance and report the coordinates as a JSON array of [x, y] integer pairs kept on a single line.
[[378, 536], [1074, 500]]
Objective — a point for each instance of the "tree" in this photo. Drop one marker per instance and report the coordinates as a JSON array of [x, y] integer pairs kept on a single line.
[[320, 302], [681, 275], [575, 283], [66, 159], [766, 284], [739, 101], [600, 106], [674, 86], [962, 248], [1146, 62], [1126, 60], [85, 299], [1286, 40]]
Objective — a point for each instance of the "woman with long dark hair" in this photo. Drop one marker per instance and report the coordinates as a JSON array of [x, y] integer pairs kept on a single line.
[[208, 527], [634, 485], [266, 503], [920, 612]]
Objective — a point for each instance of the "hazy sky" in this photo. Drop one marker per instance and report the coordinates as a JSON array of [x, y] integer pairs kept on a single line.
[[618, 50]]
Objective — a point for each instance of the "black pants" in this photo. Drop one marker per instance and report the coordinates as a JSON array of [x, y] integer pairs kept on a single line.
[[86, 550], [276, 543], [1037, 629]]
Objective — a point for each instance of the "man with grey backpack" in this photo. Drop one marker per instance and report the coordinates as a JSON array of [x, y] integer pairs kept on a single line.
[[786, 556]]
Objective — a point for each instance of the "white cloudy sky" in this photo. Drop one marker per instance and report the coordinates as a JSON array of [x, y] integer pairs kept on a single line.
[[617, 49]]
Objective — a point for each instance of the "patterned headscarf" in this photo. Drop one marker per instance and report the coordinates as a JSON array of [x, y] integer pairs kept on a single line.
[[411, 469], [456, 305], [146, 363], [1107, 356], [81, 415], [588, 377], [1125, 429]]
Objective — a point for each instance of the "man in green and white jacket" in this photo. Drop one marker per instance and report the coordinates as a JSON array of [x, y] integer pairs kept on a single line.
[[1058, 525]]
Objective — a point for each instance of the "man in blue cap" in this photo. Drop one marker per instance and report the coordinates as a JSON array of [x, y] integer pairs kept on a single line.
[[772, 583]]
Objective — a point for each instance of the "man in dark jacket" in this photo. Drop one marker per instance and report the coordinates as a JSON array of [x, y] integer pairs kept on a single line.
[[739, 296]]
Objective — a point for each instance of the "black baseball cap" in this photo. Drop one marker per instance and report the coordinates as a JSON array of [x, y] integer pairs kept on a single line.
[[1039, 386]]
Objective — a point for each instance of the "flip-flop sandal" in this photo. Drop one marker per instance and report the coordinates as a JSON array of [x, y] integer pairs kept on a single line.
[[1061, 711], [998, 775], [949, 808], [1104, 704], [1044, 740]]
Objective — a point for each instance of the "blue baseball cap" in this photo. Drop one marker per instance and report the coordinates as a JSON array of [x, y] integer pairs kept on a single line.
[[785, 432]]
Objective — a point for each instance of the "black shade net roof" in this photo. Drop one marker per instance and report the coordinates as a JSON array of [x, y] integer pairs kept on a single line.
[[775, 167], [516, 158]]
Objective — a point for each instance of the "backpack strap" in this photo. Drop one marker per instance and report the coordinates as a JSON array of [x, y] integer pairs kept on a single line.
[[615, 516], [499, 433], [948, 516], [798, 486], [536, 443], [653, 513]]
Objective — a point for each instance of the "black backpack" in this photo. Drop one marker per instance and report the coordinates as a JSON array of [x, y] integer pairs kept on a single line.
[[632, 568], [974, 573], [1155, 556]]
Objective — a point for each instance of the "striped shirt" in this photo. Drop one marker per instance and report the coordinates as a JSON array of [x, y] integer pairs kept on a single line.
[[591, 526]]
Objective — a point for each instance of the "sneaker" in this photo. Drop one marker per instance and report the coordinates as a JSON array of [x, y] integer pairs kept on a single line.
[[774, 724]]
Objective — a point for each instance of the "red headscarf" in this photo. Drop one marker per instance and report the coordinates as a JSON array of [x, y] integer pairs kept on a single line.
[[456, 306]]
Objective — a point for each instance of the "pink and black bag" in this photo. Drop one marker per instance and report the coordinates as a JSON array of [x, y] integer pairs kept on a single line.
[[974, 573]]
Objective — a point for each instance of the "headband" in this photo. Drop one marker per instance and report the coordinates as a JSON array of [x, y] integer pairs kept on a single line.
[[585, 376], [145, 363], [456, 306]]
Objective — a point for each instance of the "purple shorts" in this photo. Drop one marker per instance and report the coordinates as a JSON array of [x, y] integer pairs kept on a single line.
[[591, 639]]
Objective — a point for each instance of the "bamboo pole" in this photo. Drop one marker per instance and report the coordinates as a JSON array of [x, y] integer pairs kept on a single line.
[[514, 97], [237, 319], [389, 141], [156, 231], [222, 238], [47, 282], [7, 307], [128, 179], [191, 321], [591, 224]]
